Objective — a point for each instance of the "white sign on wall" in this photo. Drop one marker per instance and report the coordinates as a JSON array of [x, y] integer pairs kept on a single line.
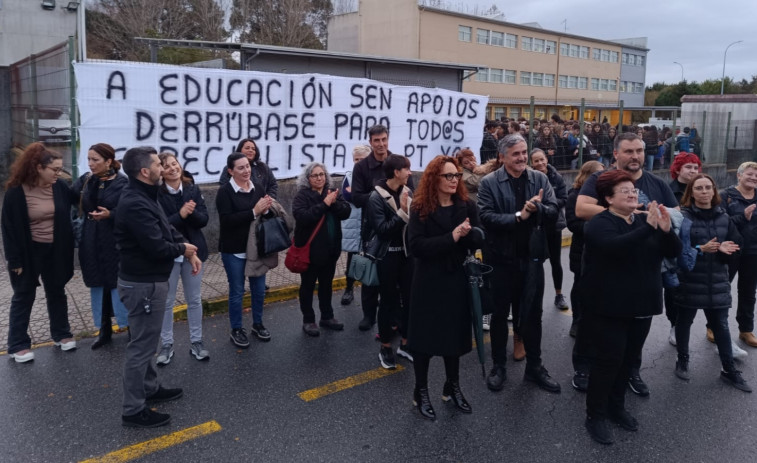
[[201, 114]]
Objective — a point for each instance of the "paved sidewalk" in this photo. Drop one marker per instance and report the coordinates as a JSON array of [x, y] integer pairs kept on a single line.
[[214, 286]]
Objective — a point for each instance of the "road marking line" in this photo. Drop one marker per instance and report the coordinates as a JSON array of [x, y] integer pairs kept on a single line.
[[145, 448], [346, 383]]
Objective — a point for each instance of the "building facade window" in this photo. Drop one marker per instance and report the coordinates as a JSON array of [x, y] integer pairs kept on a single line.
[[497, 39], [511, 41], [582, 82], [596, 53], [622, 86], [603, 84], [583, 52], [613, 56], [495, 76], [537, 79], [499, 112], [463, 33], [482, 75], [482, 36], [525, 77], [526, 43], [514, 113], [572, 81], [549, 80], [538, 45], [612, 85], [563, 81], [638, 87], [509, 76], [594, 84], [551, 47]]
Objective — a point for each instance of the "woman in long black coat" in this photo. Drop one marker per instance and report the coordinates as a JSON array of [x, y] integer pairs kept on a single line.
[[441, 219], [99, 191]]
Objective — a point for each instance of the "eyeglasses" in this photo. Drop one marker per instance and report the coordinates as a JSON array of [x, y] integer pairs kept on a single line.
[[451, 177], [629, 191], [318, 175], [702, 188], [57, 170]]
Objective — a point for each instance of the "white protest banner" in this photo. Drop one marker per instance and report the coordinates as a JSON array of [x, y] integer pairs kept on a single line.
[[201, 114]]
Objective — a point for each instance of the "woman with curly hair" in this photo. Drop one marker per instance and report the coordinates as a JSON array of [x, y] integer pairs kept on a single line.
[[38, 241], [441, 218]]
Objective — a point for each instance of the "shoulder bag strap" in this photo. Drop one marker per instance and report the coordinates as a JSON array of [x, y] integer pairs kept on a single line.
[[315, 232]]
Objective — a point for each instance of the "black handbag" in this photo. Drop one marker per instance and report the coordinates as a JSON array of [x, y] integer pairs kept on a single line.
[[272, 236], [77, 215]]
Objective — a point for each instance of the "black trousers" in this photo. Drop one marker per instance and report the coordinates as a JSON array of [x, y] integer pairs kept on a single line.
[[324, 275], [717, 321], [618, 342], [23, 300], [350, 281], [554, 244], [747, 285], [395, 277], [369, 300], [671, 309], [521, 285]]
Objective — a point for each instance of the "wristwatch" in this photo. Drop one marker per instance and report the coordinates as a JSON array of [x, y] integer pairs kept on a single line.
[[518, 216], [699, 249]]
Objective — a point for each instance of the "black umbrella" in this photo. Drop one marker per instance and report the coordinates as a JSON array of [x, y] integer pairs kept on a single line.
[[475, 270]]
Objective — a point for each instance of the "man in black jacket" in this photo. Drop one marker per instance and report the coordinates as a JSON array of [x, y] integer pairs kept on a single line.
[[148, 245], [489, 142], [365, 175], [512, 201]]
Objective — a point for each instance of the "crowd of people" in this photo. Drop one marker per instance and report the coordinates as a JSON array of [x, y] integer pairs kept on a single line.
[[142, 231], [563, 143]]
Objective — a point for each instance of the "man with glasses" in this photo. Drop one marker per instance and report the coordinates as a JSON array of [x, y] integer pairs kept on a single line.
[[513, 201], [629, 156]]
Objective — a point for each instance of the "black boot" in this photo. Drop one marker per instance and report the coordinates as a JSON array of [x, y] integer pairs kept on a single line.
[[452, 392], [423, 402], [105, 336]]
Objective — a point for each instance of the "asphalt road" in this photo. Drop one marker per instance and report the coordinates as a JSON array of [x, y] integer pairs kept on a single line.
[[66, 406]]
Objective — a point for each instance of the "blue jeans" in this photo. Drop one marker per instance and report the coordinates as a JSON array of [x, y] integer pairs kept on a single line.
[[234, 267], [650, 162], [119, 310], [192, 294]]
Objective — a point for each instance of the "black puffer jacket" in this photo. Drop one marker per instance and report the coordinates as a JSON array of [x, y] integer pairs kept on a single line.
[[735, 203], [98, 255], [707, 286], [388, 223], [308, 208]]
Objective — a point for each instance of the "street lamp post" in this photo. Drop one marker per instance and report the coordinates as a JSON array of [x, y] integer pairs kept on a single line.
[[722, 80], [676, 62]]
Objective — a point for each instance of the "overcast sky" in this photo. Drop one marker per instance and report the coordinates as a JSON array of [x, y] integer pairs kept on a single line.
[[694, 33]]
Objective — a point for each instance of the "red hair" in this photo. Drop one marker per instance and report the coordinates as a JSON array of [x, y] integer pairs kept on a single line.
[[606, 184], [426, 196], [24, 169], [683, 158]]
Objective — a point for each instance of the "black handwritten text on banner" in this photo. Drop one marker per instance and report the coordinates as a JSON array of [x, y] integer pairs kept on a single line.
[[201, 114]]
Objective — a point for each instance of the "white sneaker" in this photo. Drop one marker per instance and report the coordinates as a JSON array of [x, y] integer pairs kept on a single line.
[[487, 319], [672, 337], [69, 345], [23, 357], [738, 352]]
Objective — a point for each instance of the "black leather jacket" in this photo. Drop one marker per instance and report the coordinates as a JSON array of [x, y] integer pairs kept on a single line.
[[496, 203]]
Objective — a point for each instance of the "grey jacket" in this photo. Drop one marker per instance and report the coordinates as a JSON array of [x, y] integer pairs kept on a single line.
[[496, 203]]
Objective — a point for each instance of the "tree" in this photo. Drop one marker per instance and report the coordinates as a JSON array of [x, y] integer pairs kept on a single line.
[[289, 23], [112, 26]]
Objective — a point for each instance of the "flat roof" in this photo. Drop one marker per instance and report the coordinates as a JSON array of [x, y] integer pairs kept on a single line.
[[526, 27], [304, 52]]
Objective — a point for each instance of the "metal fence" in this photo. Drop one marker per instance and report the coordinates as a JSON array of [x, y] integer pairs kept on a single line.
[[724, 140], [42, 106]]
